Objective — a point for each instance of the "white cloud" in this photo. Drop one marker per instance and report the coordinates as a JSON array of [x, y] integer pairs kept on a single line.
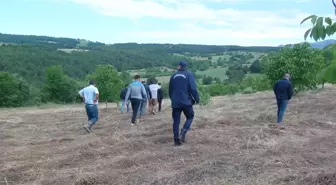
[[245, 27]]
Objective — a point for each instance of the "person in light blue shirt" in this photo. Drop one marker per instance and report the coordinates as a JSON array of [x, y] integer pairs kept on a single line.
[[137, 94], [90, 97]]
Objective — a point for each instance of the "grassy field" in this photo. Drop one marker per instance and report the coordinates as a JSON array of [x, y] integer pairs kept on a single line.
[[72, 50], [232, 142], [214, 72], [163, 79], [226, 56]]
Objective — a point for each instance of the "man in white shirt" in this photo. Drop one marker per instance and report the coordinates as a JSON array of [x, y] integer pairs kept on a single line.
[[153, 102], [90, 97]]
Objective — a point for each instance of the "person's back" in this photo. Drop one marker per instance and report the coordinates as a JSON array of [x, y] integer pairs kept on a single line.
[[137, 94], [283, 90], [123, 93], [89, 94], [154, 88], [160, 94], [148, 91], [183, 94], [135, 91], [183, 89]]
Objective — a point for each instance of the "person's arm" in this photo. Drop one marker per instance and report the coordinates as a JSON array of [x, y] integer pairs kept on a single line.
[[162, 94], [193, 87], [275, 87], [121, 94], [143, 92], [290, 91], [170, 87], [128, 93], [97, 96], [81, 94], [149, 93]]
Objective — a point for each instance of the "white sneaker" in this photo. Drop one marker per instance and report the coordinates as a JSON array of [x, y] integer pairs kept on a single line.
[[86, 127]]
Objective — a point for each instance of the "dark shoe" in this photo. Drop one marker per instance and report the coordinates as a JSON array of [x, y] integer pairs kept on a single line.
[[177, 142], [183, 135]]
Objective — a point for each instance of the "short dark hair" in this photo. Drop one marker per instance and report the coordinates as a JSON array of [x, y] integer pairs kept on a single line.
[[143, 81], [92, 82], [159, 83], [136, 77]]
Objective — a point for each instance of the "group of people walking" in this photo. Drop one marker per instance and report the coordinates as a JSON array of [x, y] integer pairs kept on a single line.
[[139, 94], [183, 94]]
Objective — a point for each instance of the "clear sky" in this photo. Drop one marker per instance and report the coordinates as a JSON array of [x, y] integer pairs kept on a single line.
[[220, 22]]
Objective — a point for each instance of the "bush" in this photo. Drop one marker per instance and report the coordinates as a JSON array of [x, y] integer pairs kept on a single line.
[[301, 61], [59, 88], [14, 91], [204, 95], [257, 83]]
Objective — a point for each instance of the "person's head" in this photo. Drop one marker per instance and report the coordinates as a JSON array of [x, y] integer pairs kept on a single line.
[[144, 82], [137, 77], [182, 65], [159, 83], [92, 82], [287, 76]]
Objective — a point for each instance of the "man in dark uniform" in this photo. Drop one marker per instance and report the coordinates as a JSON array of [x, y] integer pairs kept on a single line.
[[183, 94]]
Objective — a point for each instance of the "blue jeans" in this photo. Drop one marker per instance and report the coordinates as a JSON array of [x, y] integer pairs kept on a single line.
[[136, 103], [282, 105], [143, 107], [122, 108], [92, 113], [188, 113]]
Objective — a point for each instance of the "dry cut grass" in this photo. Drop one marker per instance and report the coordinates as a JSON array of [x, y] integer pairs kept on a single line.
[[230, 143]]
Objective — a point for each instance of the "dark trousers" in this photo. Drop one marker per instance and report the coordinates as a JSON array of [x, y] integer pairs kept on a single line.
[[160, 103], [135, 107], [92, 113], [282, 105], [188, 113]]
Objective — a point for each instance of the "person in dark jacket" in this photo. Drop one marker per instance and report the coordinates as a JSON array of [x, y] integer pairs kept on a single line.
[[183, 94], [122, 99], [160, 96], [283, 91]]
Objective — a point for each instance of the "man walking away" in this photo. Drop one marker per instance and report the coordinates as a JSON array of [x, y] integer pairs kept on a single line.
[[122, 99], [152, 102], [183, 94], [283, 91], [160, 96], [137, 94], [143, 105], [90, 97]]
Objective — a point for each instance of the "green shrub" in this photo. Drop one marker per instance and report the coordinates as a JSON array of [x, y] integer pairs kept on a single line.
[[204, 95]]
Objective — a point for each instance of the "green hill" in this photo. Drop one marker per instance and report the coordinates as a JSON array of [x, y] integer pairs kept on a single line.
[[29, 55]]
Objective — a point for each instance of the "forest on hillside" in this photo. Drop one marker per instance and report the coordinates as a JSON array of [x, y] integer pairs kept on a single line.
[[29, 56], [39, 69]]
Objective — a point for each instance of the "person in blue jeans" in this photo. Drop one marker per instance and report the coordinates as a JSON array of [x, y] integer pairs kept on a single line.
[[143, 105], [123, 101], [137, 94], [90, 97], [183, 94], [283, 91]]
